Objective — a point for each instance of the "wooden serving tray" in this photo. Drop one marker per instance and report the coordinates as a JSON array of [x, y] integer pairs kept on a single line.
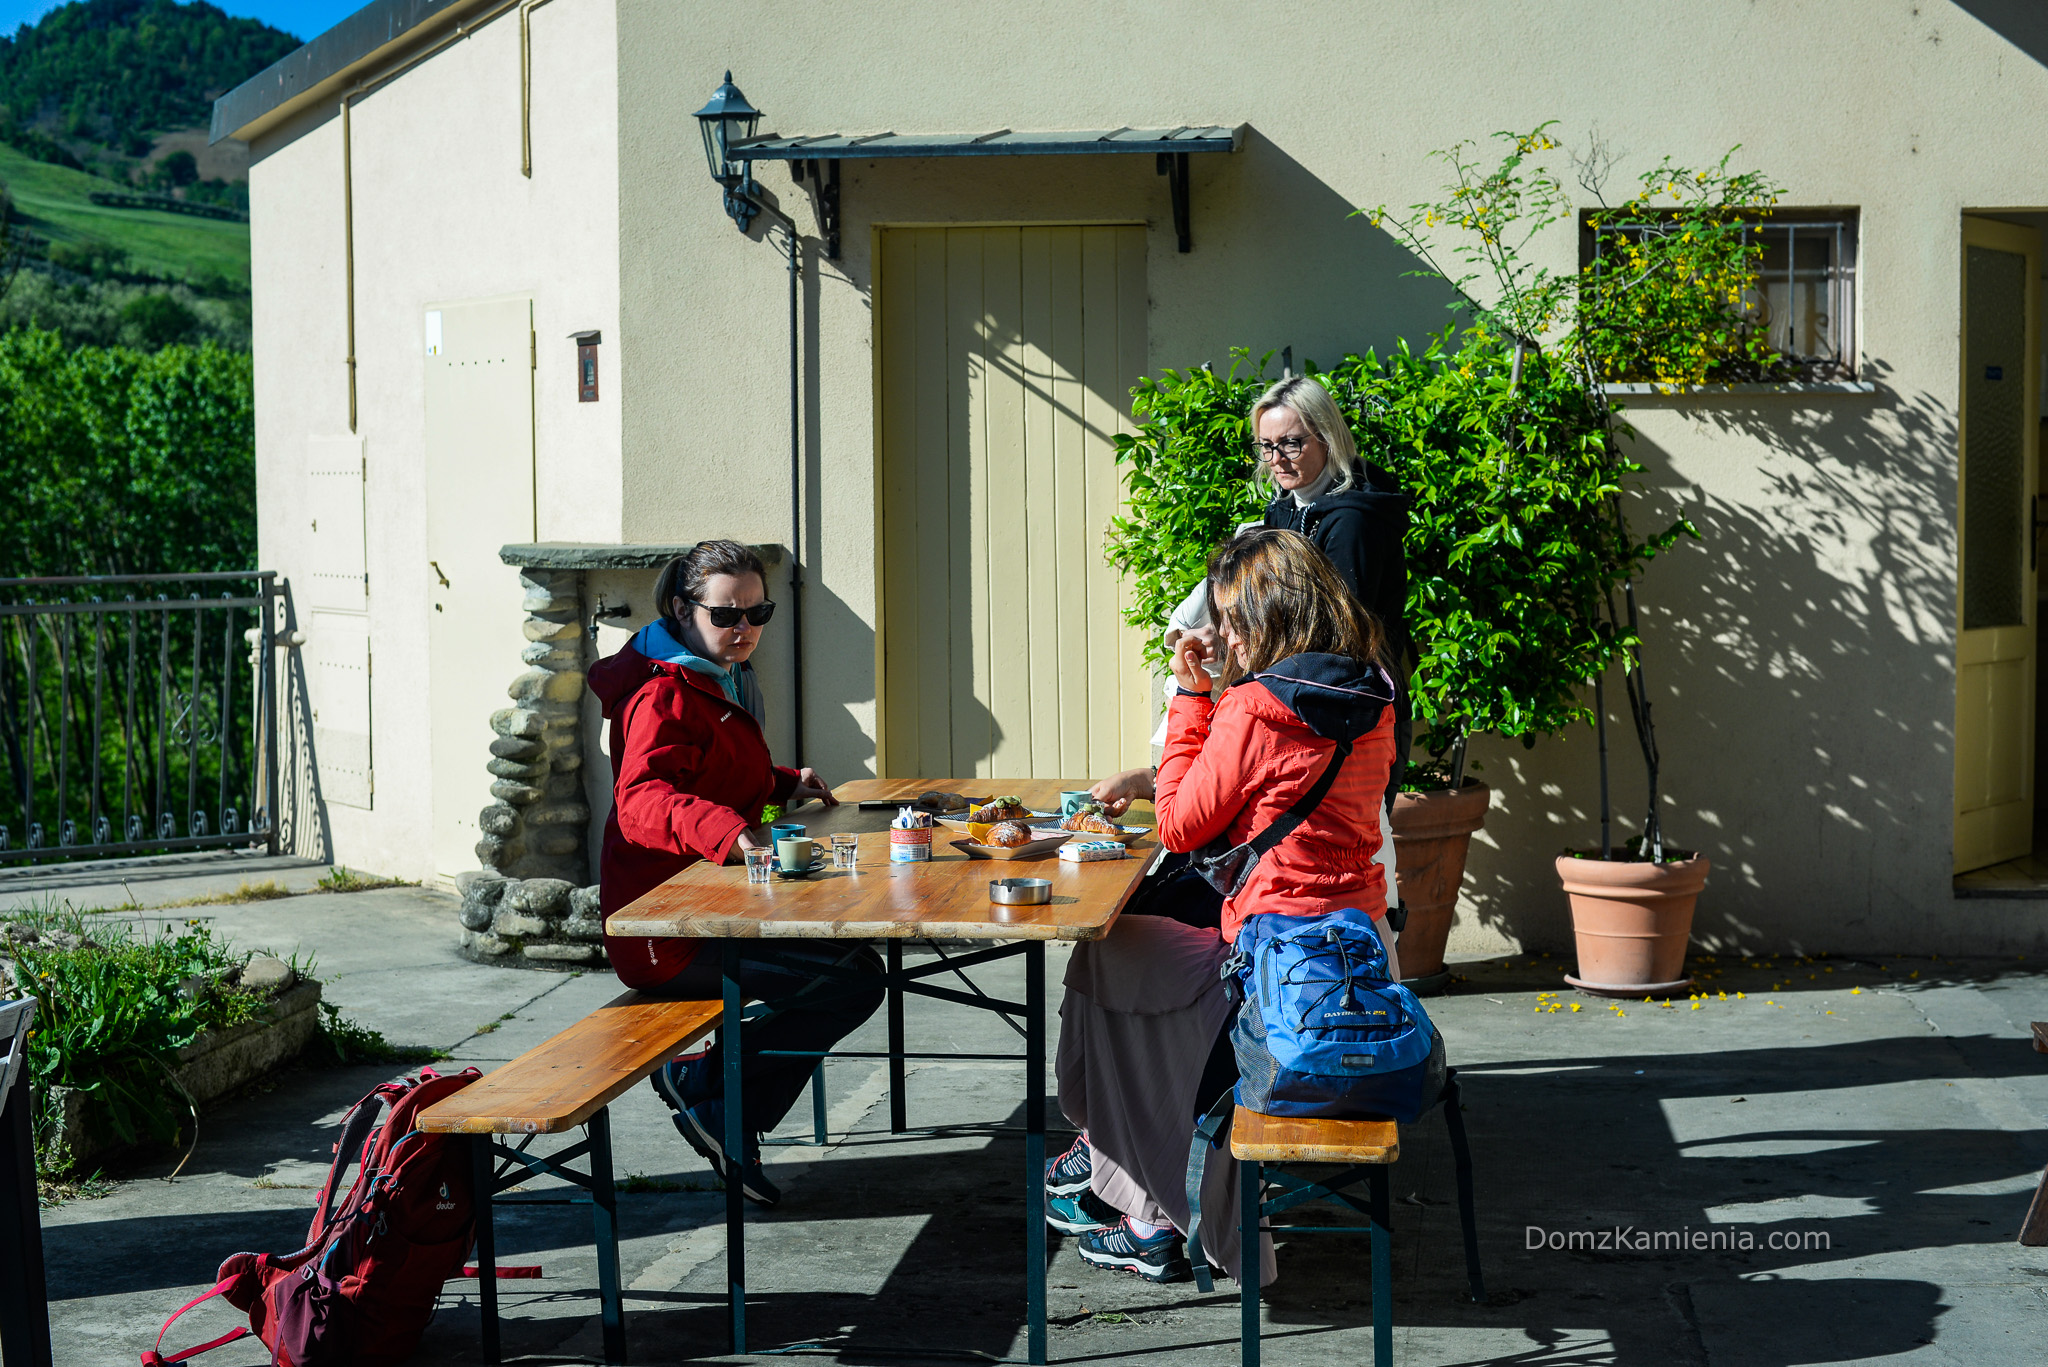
[[1030, 851]]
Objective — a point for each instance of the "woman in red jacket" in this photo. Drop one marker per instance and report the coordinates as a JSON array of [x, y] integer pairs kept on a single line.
[[690, 775], [1145, 1006]]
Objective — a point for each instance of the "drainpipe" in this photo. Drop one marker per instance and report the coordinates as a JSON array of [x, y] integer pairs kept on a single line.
[[348, 247], [796, 516]]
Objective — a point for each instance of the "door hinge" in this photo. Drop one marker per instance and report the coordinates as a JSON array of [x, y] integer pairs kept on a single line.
[[532, 349]]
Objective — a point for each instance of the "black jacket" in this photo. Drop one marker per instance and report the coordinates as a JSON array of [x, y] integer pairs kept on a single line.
[[1360, 530]]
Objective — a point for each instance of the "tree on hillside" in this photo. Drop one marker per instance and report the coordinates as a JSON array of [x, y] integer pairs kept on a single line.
[[114, 69]]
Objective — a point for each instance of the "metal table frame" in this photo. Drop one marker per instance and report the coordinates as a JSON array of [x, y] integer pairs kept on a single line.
[[899, 981]]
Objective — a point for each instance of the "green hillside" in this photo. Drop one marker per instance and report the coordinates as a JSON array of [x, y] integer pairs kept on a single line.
[[56, 203]]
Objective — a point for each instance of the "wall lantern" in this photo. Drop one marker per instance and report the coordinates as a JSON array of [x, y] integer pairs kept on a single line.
[[725, 120]]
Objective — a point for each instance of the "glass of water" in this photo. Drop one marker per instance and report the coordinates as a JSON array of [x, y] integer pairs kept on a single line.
[[761, 865], [845, 851]]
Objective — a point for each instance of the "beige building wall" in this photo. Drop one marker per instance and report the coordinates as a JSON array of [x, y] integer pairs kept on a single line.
[[1800, 656], [441, 214]]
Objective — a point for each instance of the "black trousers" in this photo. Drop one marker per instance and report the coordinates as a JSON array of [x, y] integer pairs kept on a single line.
[[813, 1011]]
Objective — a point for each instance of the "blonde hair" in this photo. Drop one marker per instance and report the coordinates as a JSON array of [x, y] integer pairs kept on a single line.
[[1308, 400], [1281, 596]]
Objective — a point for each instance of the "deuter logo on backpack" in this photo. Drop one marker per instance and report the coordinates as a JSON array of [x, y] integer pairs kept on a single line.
[[1322, 1030]]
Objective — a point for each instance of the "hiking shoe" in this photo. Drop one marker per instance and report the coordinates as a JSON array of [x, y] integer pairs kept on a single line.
[[702, 1126], [682, 1083], [1068, 1174], [1083, 1214], [1161, 1258]]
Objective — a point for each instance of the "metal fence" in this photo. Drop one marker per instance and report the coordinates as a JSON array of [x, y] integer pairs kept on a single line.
[[139, 714]]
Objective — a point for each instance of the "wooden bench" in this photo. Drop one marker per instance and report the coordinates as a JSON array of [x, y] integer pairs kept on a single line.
[[1367, 1148], [566, 1082]]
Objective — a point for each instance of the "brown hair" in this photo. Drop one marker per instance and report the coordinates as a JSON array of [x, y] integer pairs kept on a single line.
[[685, 576], [1282, 596]]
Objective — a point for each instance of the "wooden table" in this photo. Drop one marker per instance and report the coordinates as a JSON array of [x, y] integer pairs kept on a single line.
[[943, 899]]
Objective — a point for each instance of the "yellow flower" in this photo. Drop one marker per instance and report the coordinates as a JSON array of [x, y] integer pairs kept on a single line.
[[1575, 1006]]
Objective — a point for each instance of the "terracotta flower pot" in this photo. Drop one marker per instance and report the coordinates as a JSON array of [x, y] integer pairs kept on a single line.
[[1631, 921], [1432, 832]]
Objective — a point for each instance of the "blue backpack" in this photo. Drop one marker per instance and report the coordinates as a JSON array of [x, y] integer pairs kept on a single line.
[[1321, 1030]]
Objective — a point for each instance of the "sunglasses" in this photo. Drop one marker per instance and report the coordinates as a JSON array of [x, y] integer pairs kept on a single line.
[[723, 618]]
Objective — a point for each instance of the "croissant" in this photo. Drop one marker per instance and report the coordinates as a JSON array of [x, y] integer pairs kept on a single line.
[[1091, 820], [1010, 834], [1002, 809]]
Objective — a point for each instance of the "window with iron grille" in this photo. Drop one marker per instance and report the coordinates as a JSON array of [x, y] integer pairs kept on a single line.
[[1803, 298]]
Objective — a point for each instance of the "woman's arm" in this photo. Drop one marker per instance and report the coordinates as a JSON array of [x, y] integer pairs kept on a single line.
[[1212, 750], [663, 755]]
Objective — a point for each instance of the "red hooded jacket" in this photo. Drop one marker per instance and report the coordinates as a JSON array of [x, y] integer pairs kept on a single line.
[[1235, 764], [690, 771]]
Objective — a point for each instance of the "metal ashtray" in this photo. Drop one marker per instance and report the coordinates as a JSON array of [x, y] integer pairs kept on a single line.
[[1020, 892]]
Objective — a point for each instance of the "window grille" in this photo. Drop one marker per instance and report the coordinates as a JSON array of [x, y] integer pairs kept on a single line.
[[1805, 294]]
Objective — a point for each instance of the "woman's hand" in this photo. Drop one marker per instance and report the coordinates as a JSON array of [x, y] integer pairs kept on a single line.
[[1188, 654], [752, 838], [811, 788], [1118, 791]]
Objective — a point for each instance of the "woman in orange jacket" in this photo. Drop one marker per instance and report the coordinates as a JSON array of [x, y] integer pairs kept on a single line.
[[1145, 1006]]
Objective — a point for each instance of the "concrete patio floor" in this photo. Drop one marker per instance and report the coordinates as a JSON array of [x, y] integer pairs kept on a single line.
[[1892, 1116]]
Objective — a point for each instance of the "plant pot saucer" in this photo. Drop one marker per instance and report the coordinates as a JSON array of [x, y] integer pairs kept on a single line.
[[1429, 984], [1617, 990]]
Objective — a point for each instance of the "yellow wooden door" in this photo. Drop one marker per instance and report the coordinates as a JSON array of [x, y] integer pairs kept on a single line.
[[1996, 572], [479, 457], [1004, 362]]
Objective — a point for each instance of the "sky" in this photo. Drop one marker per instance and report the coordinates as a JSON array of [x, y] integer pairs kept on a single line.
[[303, 18]]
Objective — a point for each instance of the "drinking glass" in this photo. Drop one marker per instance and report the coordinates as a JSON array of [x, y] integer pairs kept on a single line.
[[760, 865], [845, 851]]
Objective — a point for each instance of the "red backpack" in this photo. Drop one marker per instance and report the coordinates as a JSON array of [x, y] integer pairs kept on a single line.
[[363, 1288]]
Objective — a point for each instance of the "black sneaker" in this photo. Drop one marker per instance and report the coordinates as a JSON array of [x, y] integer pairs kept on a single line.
[[703, 1127], [1068, 1174], [1160, 1258]]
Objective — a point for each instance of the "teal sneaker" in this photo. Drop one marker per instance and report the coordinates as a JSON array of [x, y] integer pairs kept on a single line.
[[1083, 1214]]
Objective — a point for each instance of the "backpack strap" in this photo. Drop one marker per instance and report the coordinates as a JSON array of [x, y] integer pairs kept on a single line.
[[1207, 1127], [155, 1357], [1243, 858], [356, 1129]]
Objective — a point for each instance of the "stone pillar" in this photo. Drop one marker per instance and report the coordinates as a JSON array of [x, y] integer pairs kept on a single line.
[[536, 827]]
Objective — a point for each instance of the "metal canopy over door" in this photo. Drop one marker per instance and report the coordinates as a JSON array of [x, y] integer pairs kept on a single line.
[[479, 449], [1004, 363], [1997, 570]]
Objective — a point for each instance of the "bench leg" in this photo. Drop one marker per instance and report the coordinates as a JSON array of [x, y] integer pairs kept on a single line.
[[483, 1177], [818, 1104], [1250, 1260], [735, 1145], [899, 1115], [1461, 1152], [604, 1214], [1382, 1271]]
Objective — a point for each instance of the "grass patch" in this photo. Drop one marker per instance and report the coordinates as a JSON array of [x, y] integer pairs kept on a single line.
[[266, 891], [640, 1182], [342, 879], [56, 201], [489, 1027], [342, 1042], [62, 1188]]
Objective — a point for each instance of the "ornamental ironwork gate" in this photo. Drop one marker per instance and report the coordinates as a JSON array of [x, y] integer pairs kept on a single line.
[[139, 714]]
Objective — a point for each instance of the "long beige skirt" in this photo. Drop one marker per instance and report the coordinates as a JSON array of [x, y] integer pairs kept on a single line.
[[1143, 1008]]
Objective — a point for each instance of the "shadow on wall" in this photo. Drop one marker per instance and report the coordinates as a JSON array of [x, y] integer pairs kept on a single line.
[[1280, 261], [1799, 667]]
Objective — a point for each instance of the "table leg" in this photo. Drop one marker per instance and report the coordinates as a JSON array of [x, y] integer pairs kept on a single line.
[[604, 1210], [818, 1104], [735, 1146], [1251, 1260], [483, 1178], [1034, 1149], [899, 1119]]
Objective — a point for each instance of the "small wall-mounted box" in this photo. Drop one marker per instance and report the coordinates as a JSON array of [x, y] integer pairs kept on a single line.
[[586, 365]]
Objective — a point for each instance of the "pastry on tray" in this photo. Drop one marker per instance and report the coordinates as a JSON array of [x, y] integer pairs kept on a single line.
[[1002, 809], [943, 802], [1009, 835], [1088, 817]]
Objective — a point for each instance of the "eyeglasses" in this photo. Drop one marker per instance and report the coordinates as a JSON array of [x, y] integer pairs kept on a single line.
[[723, 618], [1290, 447]]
